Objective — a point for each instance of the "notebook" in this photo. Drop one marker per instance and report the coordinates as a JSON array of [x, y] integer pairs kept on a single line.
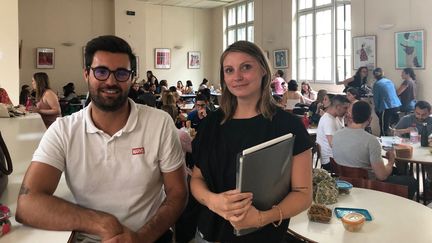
[[265, 170]]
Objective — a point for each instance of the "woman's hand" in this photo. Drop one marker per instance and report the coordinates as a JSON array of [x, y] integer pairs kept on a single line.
[[250, 219], [230, 203]]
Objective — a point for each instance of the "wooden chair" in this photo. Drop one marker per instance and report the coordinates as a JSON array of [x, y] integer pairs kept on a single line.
[[377, 185], [316, 149], [346, 171]]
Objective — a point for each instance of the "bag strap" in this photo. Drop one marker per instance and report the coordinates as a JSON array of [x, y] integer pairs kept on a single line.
[[7, 168]]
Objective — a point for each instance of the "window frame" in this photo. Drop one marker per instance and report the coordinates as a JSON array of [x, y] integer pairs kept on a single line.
[[333, 5], [238, 26]]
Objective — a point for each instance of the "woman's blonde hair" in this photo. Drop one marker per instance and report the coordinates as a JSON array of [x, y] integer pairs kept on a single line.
[[168, 98], [266, 104]]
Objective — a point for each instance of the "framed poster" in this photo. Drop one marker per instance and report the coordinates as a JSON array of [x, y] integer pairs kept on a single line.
[[280, 58], [162, 58], [364, 52], [194, 59], [410, 49], [44, 57]]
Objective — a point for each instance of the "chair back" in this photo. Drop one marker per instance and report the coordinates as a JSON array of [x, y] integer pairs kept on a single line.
[[395, 189], [342, 170], [316, 149]]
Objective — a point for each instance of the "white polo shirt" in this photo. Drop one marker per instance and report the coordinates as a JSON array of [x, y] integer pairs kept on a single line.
[[122, 174], [327, 125]]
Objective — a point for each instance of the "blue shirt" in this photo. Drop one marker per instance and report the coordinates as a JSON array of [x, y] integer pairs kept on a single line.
[[384, 95]]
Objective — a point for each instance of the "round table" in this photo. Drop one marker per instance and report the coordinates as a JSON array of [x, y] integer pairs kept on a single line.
[[394, 219], [22, 136]]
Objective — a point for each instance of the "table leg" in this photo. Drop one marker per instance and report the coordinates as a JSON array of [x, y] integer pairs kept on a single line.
[[417, 170], [424, 185]]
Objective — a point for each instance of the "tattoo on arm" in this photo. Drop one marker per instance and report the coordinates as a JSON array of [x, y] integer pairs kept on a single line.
[[23, 190]]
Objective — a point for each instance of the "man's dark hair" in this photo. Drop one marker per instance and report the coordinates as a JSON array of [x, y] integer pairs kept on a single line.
[[146, 86], [292, 85], [361, 111], [109, 43], [201, 97], [378, 73], [338, 100], [354, 91], [421, 104], [172, 89], [206, 92], [280, 73]]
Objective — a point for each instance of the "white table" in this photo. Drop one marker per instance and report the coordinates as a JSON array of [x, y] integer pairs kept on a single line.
[[22, 136], [394, 219]]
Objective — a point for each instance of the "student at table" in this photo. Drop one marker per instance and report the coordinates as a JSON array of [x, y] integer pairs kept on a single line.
[[47, 105], [4, 97], [123, 162], [407, 90], [200, 112], [329, 123], [247, 116]]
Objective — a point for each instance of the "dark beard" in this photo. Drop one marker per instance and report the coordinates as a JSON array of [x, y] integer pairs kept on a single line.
[[108, 105]]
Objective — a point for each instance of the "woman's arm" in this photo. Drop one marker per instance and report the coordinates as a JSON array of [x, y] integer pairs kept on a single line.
[[401, 88], [298, 200], [348, 80], [225, 204]]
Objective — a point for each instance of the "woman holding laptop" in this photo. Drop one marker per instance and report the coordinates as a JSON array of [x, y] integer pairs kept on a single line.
[[247, 116]]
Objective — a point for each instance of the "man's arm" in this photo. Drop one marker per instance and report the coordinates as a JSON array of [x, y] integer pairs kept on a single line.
[[38, 207], [381, 170], [168, 213], [330, 140]]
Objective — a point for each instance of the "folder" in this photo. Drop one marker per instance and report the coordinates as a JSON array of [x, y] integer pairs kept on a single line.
[[265, 170]]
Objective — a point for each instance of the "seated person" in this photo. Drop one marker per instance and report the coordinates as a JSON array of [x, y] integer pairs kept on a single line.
[[4, 97], [422, 112], [69, 92], [354, 147], [329, 123], [24, 94], [206, 91], [292, 96], [318, 107], [200, 112], [135, 91], [147, 97]]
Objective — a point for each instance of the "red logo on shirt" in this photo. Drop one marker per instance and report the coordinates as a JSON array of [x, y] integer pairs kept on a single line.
[[136, 151]]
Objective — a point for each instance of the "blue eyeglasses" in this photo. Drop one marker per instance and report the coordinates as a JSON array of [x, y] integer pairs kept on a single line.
[[102, 73]]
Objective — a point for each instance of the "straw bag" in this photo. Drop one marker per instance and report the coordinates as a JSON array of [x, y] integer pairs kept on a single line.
[[5, 165]]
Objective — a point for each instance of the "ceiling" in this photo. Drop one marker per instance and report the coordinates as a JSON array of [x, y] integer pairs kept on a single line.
[[190, 3]]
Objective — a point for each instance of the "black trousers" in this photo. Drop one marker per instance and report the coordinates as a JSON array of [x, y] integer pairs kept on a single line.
[[386, 118]]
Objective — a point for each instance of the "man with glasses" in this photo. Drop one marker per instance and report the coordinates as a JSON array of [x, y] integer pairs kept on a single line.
[[123, 162], [200, 111]]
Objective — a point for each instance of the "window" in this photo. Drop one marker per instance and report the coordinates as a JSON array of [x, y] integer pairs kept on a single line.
[[323, 40], [239, 22]]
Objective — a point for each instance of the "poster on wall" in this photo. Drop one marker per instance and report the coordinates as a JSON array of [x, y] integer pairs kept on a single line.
[[409, 49], [162, 58], [194, 59], [364, 52], [44, 57], [280, 58]]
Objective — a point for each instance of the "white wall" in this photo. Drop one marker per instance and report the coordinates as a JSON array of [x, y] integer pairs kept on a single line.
[[368, 15], [156, 26], [49, 23], [9, 78]]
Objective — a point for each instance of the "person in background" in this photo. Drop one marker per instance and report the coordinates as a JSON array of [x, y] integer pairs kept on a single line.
[[353, 96], [69, 92], [210, 105], [420, 117], [203, 85], [292, 96], [358, 80], [163, 85], [4, 97], [329, 123], [189, 88], [47, 105], [185, 138], [277, 82], [200, 112], [123, 161], [180, 87], [354, 147], [24, 94], [147, 97], [318, 107], [248, 116], [386, 101], [135, 91], [309, 95], [407, 90]]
